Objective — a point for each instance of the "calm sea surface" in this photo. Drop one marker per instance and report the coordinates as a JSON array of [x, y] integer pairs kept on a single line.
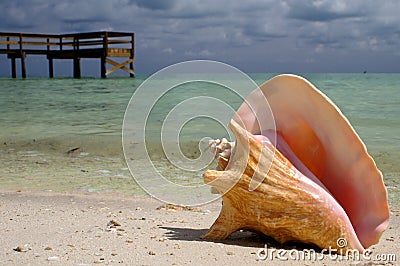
[[42, 120]]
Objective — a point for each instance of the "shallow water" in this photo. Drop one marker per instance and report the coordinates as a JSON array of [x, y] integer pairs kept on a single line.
[[42, 119]]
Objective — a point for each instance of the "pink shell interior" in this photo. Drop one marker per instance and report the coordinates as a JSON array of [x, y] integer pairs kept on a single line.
[[313, 133]]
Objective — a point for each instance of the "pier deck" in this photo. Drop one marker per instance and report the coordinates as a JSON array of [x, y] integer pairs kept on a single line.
[[103, 45]]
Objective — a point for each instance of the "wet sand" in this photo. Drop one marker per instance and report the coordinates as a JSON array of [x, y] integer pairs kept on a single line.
[[81, 228]]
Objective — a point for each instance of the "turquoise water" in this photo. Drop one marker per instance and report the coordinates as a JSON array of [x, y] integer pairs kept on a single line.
[[48, 117]]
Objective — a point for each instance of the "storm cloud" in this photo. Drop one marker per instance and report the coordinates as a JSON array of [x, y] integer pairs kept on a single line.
[[255, 35]]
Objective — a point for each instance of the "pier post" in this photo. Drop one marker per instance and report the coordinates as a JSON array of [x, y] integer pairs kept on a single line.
[[13, 68], [51, 69], [22, 55], [23, 65], [77, 65], [77, 68], [103, 68], [132, 55], [131, 67]]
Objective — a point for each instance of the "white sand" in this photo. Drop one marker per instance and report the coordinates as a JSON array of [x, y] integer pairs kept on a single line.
[[71, 229]]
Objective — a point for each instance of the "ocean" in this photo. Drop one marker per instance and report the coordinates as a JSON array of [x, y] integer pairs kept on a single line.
[[65, 134]]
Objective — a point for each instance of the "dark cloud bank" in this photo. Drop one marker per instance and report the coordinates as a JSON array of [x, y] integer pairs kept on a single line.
[[255, 36]]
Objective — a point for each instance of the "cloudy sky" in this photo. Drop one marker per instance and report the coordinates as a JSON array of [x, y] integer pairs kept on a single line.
[[253, 35]]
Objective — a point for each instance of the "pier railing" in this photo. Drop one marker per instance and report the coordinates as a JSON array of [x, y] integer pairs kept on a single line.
[[74, 46]]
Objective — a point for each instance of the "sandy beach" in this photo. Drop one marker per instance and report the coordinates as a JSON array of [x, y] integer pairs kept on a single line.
[[81, 228]]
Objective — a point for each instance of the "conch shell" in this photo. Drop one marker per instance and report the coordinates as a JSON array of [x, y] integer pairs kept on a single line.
[[316, 184]]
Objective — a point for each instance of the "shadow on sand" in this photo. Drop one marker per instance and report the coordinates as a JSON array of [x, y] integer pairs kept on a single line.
[[240, 238]]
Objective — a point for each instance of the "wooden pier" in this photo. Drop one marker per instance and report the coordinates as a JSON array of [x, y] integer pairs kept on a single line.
[[103, 45]]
